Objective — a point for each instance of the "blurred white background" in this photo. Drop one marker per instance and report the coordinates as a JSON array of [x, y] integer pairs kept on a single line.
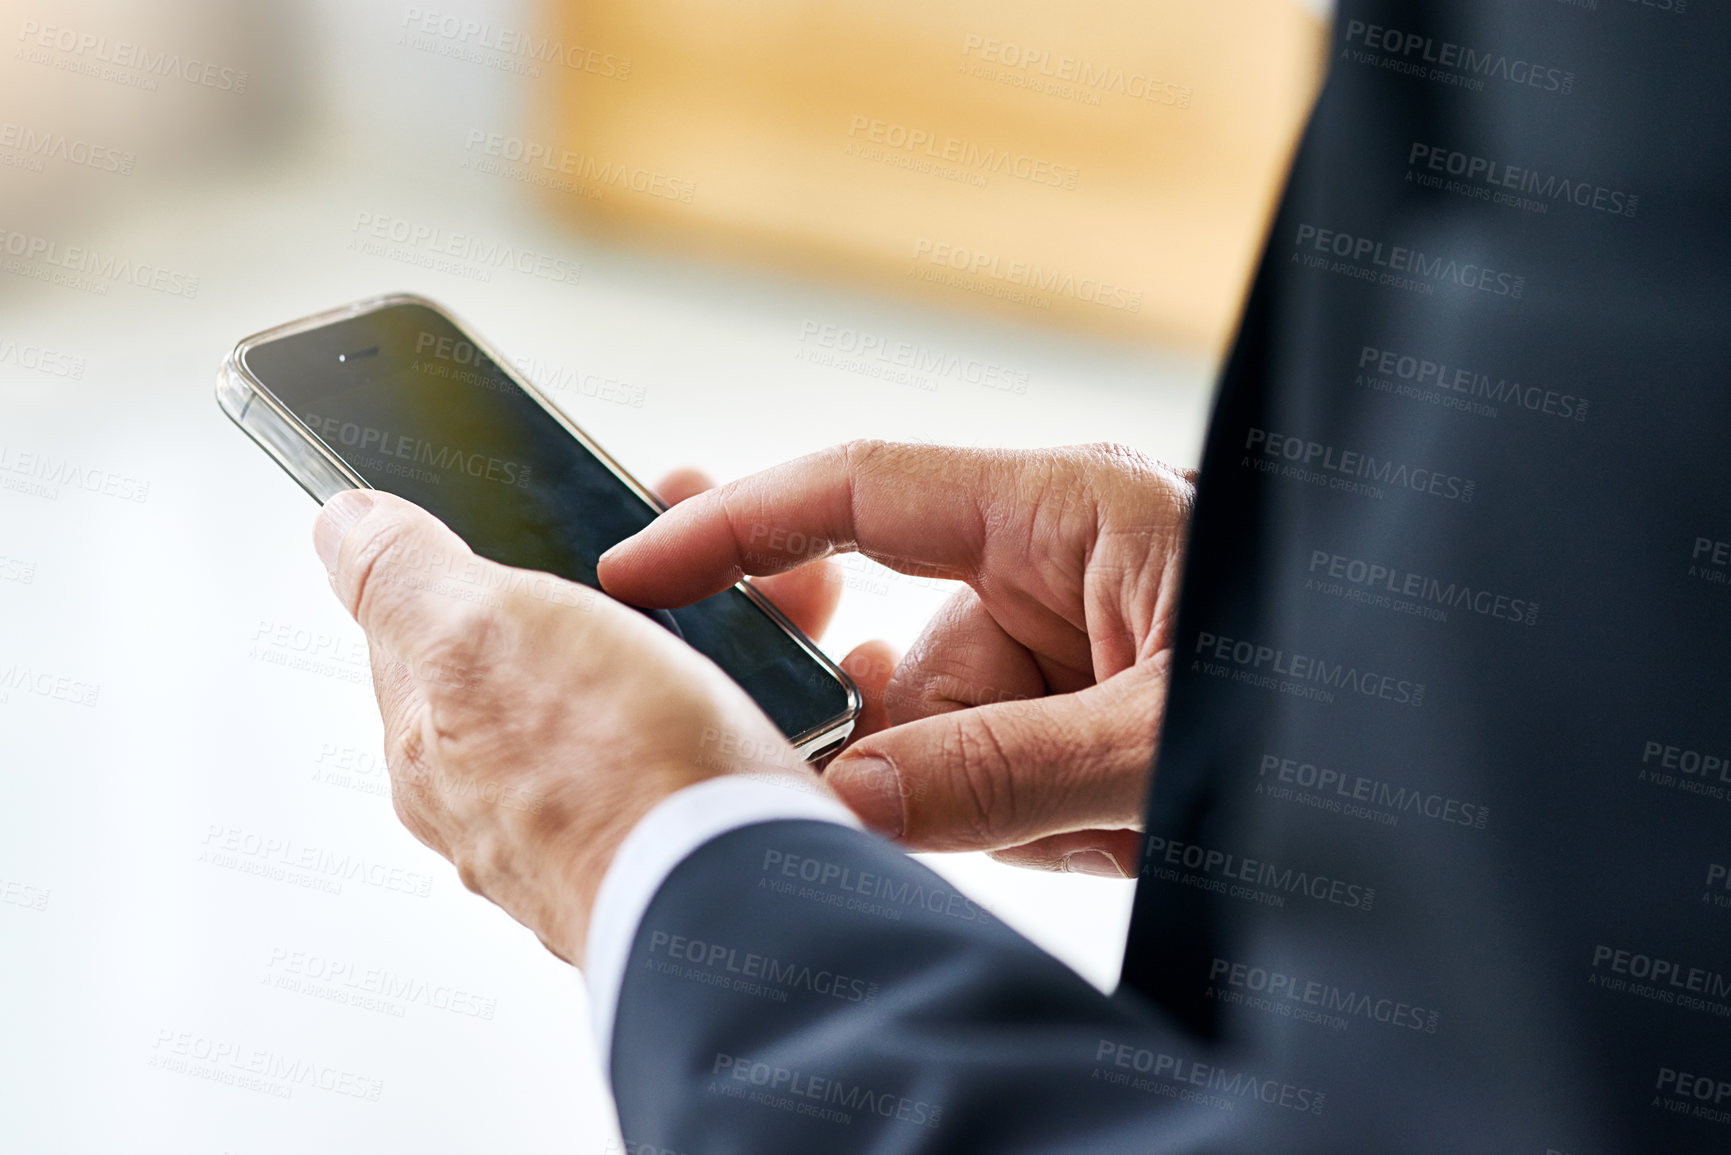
[[184, 708]]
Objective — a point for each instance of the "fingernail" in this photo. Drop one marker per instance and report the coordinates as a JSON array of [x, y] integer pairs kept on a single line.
[[1095, 862], [338, 516], [872, 788]]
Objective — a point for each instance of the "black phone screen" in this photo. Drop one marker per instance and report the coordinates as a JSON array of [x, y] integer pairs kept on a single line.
[[412, 405]]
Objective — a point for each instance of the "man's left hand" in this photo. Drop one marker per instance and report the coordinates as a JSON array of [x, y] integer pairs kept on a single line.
[[531, 722]]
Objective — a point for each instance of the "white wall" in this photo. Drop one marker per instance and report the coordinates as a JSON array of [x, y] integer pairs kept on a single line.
[[122, 930]]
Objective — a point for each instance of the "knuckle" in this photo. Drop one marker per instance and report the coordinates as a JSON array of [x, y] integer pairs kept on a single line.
[[905, 697], [548, 819], [1106, 462], [1106, 466], [374, 559], [1116, 456], [859, 452], [981, 778], [531, 598], [406, 754], [876, 459], [411, 773], [465, 651]]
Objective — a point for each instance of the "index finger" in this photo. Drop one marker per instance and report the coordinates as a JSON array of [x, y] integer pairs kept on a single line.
[[918, 509]]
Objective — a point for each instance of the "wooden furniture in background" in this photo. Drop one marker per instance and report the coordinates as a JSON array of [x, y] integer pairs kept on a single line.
[[1106, 164]]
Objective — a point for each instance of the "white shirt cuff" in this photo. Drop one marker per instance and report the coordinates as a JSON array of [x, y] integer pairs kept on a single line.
[[665, 837]]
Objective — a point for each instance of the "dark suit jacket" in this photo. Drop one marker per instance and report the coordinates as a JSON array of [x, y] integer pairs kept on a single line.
[[1437, 847]]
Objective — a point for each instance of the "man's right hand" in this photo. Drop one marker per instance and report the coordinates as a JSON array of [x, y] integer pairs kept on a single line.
[[1023, 721]]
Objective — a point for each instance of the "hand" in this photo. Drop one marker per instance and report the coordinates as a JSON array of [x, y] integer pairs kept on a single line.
[[529, 722], [1023, 720], [808, 595]]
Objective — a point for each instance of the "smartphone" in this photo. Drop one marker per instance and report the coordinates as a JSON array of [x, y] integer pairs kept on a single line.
[[395, 394]]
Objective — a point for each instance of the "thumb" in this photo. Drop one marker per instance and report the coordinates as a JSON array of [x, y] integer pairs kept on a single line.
[[396, 569], [996, 776]]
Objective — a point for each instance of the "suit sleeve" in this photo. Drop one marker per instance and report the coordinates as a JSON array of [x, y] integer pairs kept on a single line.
[[800, 986]]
